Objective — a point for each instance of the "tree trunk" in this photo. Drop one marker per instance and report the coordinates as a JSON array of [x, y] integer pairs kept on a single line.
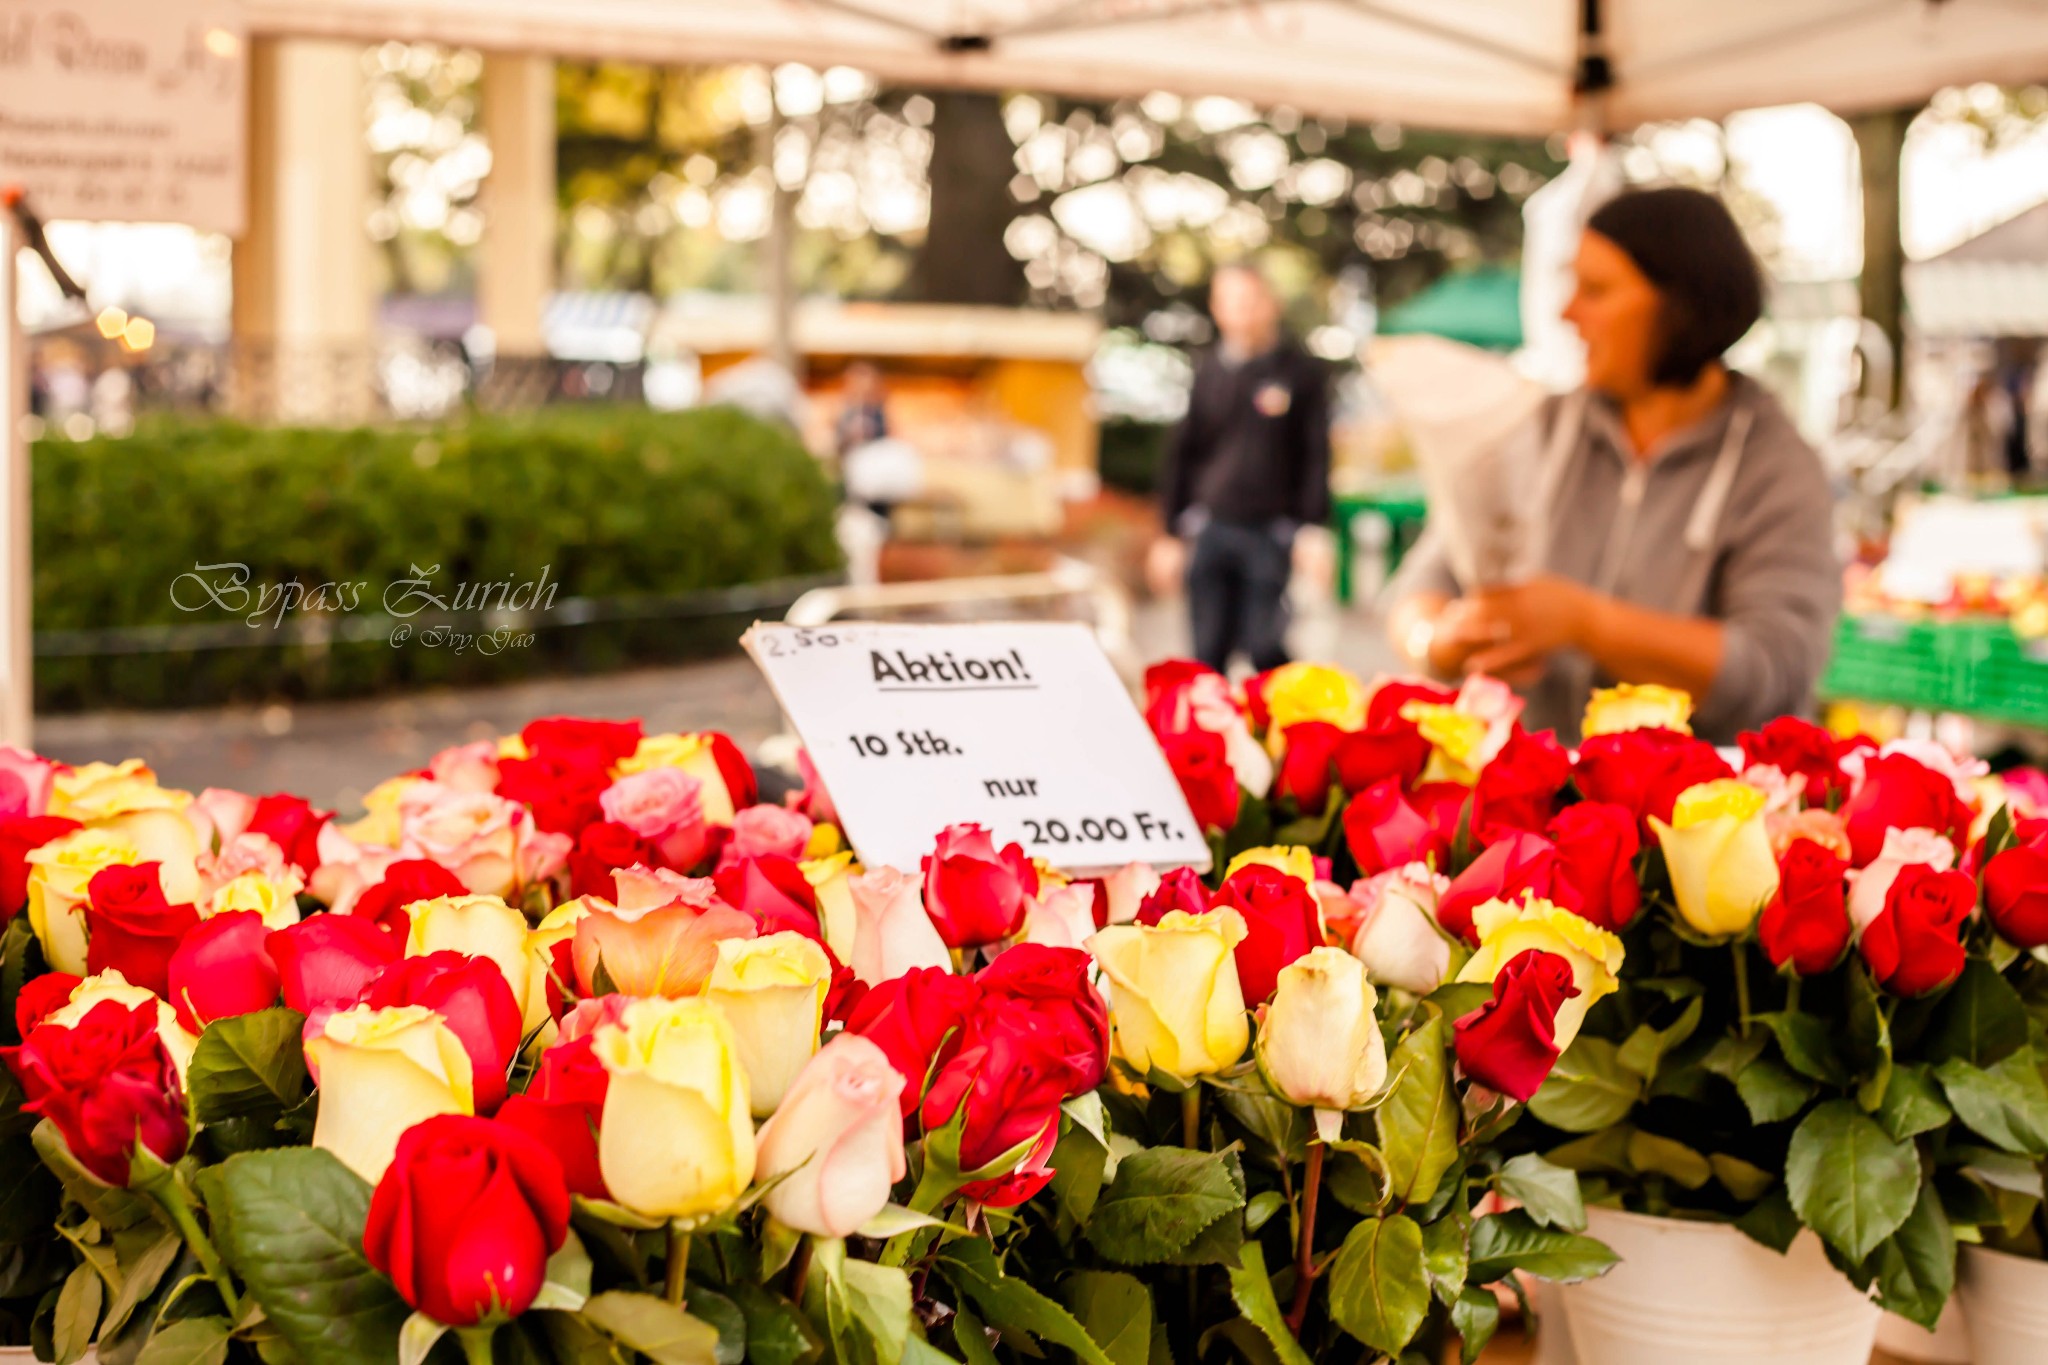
[[1880, 137], [963, 259]]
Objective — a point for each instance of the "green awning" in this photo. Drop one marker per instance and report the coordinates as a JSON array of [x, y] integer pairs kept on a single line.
[[1480, 307]]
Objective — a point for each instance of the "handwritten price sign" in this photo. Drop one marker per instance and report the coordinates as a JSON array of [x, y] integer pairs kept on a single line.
[[1023, 727]]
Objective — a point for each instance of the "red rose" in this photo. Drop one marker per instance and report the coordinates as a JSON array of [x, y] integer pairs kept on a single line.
[[405, 881], [1383, 711], [2016, 894], [1915, 944], [1180, 889], [599, 744], [222, 969], [1645, 770], [1898, 792], [1443, 805], [1201, 764], [21, 835], [1383, 831], [1366, 758], [131, 928], [1305, 769], [601, 849], [1796, 748], [916, 1019], [1806, 923], [107, 1084], [562, 1106], [974, 894], [1515, 864], [1281, 924], [43, 996], [323, 963], [1256, 709], [293, 825], [1166, 687], [1006, 1090], [472, 996], [1518, 790], [774, 890], [1596, 846], [465, 1218], [561, 791], [1509, 1043], [1046, 990], [740, 783]]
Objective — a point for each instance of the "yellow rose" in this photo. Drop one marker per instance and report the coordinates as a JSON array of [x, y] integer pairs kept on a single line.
[[771, 990], [112, 985], [380, 1072], [380, 823], [481, 926], [693, 754], [1509, 929], [1718, 850], [278, 905], [58, 874], [1175, 1001], [836, 916], [1637, 706], [825, 841], [513, 746], [1319, 1046], [1299, 692], [557, 927], [677, 1136], [1296, 861], [98, 791]]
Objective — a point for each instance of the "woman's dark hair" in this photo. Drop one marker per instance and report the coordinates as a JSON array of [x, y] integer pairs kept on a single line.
[[1685, 243]]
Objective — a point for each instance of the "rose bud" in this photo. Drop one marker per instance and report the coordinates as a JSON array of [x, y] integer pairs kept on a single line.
[[465, 1218], [41, 997], [1594, 955], [470, 995], [479, 926], [107, 1084], [976, 895], [1320, 1046], [1807, 922], [1914, 946], [892, 933], [660, 939], [1796, 748], [293, 825], [1596, 844], [1004, 1090], [222, 969], [2016, 894], [715, 761], [1200, 760], [772, 992], [19, 836], [767, 831], [1282, 922], [664, 808], [1645, 770], [1046, 990], [131, 928], [1870, 886], [1393, 928], [831, 880], [1382, 830], [774, 891], [1396, 753], [600, 744], [836, 1140], [1515, 865], [1899, 792], [323, 963], [405, 881], [1063, 917], [1181, 889], [562, 1105], [59, 872], [93, 991], [1175, 1001], [1518, 788], [676, 1087], [917, 1020], [1306, 768], [1511, 1042], [560, 791], [1719, 855], [380, 1071], [602, 849]]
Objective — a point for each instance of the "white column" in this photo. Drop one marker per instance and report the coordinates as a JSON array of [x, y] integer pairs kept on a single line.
[[17, 664], [516, 258]]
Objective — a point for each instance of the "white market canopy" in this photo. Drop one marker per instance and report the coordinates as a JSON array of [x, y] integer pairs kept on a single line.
[[1483, 65]]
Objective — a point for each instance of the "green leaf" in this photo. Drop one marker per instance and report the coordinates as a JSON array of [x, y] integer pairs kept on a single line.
[[1916, 1266], [1550, 1194], [1666, 1156], [1475, 1317], [1505, 1242], [1807, 1046], [1912, 1104], [1772, 1091], [1279, 1130], [1981, 1020], [140, 1278], [1161, 1201], [2006, 1104], [189, 1341], [293, 1232], [868, 1308], [1418, 1123], [1444, 1254], [112, 1207], [1848, 1179], [777, 1333], [249, 1066], [1589, 1089], [1379, 1286], [1252, 1289], [656, 1328], [1113, 1308], [1078, 1162], [970, 1337], [1728, 1057], [726, 1319], [1010, 1304], [1647, 1047], [78, 1313], [1770, 1221], [1741, 1178]]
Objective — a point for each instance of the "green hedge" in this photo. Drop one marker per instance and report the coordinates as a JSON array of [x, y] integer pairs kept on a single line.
[[617, 503], [1132, 453]]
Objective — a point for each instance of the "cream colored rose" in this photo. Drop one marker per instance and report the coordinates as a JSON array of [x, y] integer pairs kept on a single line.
[[381, 818], [557, 927], [381, 1071], [1396, 935], [836, 1140], [276, 903], [1320, 1046], [1718, 851], [475, 835], [830, 877], [771, 990], [1296, 861], [676, 1140], [892, 930], [1509, 929], [1063, 917], [1175, 1001], [481, 926], [58, 874], [1126, 889]]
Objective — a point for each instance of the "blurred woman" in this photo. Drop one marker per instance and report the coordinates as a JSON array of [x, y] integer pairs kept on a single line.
[[1683, 529]]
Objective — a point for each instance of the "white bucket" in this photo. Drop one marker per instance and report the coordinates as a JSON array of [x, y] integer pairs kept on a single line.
[[1690, 1293], [2005, 1301], [1947, 1344]]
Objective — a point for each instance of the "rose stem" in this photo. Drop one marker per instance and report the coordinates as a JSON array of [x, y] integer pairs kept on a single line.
[[800, 1271], [476, 1343], [1741, 985], [678, 1263], [1304, 1256], [1191, 1116], [1792, 993], [172, 1199]]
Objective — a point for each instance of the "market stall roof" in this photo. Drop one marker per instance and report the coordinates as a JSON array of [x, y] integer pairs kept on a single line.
[[1993, 285], [1497, 65], [1480, 307], [712, 324]]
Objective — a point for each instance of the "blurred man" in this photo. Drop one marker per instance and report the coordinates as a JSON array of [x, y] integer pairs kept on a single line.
[[1247, 468]]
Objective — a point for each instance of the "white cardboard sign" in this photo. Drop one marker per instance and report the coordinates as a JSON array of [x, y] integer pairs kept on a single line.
[[1020, 726]]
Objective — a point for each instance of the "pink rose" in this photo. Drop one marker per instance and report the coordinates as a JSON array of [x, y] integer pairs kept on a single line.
[[1126, 888], [218, 814], [814, 801], [760, 831], [662, 936], [588, 1015], [467, 767], [347, 869], [25, 782], [665, 807], [488, 841], [977, 895], [892, 933], [1871, 886], [247, 852], [836, 1139], [1394, 930], [1061, 918], [1819, 826]]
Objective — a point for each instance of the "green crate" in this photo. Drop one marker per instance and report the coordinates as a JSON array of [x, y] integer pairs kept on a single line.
[[1890, 659], [2002, 677]]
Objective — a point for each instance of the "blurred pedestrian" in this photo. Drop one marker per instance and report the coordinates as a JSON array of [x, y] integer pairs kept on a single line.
[[1681, 530], [1246, 469]]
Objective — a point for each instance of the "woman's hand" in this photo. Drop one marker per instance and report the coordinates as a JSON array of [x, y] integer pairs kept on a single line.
[[1514, 630]]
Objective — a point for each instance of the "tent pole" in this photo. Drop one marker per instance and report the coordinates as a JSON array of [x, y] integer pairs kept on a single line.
[[1880, 286], [1594, 77], [776, 246], [17, 676]]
